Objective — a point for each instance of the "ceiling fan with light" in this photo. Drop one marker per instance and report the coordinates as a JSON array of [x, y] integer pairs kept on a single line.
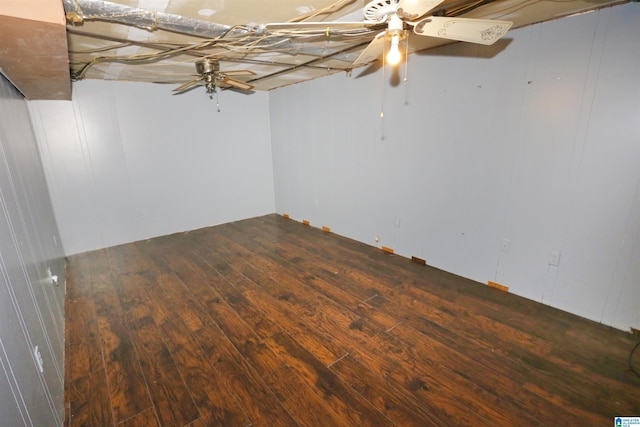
[[211, 77], [401, 18]]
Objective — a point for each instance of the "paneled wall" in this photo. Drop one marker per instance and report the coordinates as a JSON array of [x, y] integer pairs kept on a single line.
[[517, 163], [31, 304], [129, 161]]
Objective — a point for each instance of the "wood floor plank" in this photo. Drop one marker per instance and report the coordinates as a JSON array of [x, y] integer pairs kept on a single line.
[[89, 401], [395, 402], [83, 339], [128, 391], [260, 403], [269, 322], [144, 419], [217, 404], [170, 395], [286, 316], [307, 407], [339, 396], [297, 398], [286, 286]]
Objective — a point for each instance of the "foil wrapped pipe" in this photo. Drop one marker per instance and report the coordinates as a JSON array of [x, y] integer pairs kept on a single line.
[[77, 11]]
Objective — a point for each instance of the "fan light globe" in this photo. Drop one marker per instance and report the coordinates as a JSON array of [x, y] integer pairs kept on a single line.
[[393, 56]]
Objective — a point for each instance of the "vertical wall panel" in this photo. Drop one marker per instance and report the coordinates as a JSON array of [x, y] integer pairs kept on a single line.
[[603, 224], [558, 68], [31, 306], [533, 141], [129, 161]]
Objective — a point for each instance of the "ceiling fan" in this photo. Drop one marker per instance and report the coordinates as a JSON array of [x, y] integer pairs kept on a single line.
[[211, 77], [401, 18]]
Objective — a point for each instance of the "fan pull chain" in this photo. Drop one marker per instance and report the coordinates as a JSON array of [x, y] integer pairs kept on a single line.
[[217, 99], [406, 72], [384, 65], [406, 60]]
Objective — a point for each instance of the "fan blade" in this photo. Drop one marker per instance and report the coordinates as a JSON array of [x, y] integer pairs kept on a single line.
[[410, 10], [372, 52], [188, 85], [239, 73], [317, 25], [482, 31], [236, 83]]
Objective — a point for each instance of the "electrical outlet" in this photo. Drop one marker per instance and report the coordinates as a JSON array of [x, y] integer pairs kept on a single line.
[[39, 361], [506, 245], [554, 258]]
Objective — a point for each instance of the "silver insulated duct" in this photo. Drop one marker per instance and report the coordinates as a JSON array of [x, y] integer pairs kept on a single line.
[[79, 10]]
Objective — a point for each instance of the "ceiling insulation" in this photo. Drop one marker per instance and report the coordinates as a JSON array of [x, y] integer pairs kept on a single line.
[[160, 41]]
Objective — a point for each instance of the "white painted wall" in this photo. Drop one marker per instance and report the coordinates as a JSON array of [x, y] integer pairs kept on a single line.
[[535, 140], [129, 161], [31, 306]]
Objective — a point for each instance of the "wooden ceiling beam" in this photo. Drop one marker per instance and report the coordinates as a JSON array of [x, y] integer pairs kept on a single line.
[[33, 48]]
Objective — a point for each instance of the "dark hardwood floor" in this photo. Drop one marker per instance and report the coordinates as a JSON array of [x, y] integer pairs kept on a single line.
[[267, 322]]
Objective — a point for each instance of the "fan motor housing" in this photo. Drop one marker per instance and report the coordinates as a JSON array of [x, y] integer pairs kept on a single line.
[[207, 66], [379, 10]]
